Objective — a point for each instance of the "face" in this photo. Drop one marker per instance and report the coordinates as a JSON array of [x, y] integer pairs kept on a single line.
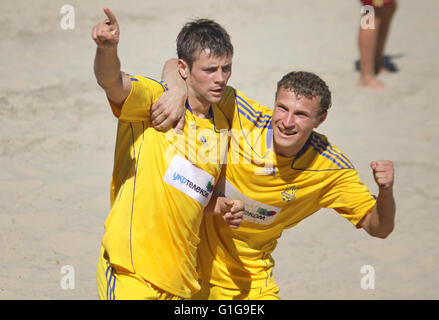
[[207, 79], [293, 121]]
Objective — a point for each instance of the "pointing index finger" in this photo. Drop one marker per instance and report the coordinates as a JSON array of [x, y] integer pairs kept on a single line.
[[110, 16]]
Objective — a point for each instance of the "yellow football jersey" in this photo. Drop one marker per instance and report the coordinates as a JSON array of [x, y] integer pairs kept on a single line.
[[278, 193], [161, 183]]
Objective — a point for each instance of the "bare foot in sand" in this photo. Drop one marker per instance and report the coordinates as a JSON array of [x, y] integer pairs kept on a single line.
[[382, 70], [372, 83]]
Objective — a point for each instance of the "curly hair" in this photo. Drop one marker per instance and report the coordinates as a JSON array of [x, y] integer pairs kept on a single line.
[[202, 34], [309, 85]]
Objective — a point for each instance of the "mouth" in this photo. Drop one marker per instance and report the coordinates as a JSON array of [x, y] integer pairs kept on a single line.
[[217, 92], [286, 133]]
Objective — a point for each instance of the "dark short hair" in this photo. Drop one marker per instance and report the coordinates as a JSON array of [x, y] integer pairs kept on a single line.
[[202, 34], [307, 84]]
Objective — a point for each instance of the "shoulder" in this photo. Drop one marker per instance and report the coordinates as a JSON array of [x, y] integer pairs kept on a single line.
[[243, 112], [322, 155], [252, 107], [148, 82], [251, 113], [143, 93]]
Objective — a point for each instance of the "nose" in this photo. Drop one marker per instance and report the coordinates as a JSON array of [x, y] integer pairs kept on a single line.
[[289, 121], [220, 77]]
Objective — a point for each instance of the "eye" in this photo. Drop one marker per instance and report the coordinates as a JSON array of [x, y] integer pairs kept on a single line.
[[210, 70], [227, 68], [282, 108], [301, 114]]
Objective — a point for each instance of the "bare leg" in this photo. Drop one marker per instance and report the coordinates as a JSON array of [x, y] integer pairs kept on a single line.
[[367, 41], [385, 13]]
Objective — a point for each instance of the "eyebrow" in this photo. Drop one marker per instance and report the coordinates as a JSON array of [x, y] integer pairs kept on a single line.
[[280, 104]]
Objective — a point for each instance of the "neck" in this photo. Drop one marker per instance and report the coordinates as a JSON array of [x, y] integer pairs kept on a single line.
[[199, 107], [291, 152], [286, 154]]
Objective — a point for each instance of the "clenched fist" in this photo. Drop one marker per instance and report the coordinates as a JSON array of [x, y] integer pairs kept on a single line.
[[231, 210], [383, 172], [106, 33]]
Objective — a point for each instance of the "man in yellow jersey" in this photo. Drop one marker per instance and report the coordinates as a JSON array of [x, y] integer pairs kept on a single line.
[[284, 171], [162, 181]]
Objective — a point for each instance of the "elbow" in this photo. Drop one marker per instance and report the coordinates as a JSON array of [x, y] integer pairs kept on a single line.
[[101, 83], [106, 84], [108, 81], [383, 234]]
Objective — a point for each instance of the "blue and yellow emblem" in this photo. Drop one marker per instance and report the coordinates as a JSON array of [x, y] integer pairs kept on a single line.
[[289, 194]]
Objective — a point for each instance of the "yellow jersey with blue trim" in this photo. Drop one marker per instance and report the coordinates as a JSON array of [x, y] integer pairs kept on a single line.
[[160, 185], [278, 193]]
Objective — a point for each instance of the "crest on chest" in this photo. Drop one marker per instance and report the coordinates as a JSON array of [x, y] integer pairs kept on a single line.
[[289, 194]]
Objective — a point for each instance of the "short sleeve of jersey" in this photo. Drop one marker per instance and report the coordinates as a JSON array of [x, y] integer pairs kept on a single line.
[[349, 197], [144, 92]]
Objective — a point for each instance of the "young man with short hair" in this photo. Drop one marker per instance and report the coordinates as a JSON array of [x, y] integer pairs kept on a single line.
[[284, 171], [161, 180]]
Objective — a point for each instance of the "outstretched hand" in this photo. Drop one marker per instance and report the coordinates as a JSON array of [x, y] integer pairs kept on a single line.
[[106, 33]]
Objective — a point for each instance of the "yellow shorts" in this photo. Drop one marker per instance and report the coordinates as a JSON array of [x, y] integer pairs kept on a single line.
[[212, 292], [115, 284]]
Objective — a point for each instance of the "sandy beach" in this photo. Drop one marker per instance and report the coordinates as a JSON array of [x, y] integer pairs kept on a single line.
[[58, 134]]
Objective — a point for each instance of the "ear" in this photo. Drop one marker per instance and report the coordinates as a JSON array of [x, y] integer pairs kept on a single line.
[[321, 118], [183, 69]]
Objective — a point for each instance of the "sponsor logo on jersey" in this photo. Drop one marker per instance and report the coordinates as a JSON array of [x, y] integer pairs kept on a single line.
[[261, 215], [255, 211], [185, 181], [189, 179], [266, 212]]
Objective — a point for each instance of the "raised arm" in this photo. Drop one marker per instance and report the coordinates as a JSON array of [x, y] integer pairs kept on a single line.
[[116, 84], [381, 220], [169, 109]]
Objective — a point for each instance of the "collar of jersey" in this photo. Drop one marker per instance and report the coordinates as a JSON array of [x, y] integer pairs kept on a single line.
[[211, 115], [269, 139], [190, 109]]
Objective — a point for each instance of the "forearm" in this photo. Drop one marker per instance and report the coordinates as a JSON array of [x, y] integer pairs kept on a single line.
[[382, 217], [172, 77], [169, 110], [213, 205], [107, 67], [106, 64], [386, 209]]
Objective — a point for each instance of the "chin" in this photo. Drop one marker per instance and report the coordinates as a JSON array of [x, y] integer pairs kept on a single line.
[[215, 100], [287, 141], [286, 145]]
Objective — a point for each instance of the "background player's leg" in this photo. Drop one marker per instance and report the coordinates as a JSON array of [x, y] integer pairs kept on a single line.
[[367, 41], [386, 13]]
